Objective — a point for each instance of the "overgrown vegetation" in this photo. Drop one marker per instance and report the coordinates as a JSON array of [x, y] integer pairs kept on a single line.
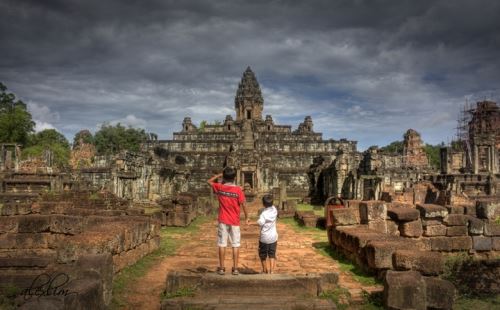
[[48, 140], [340, 296], [181, 292], [308, 207], [16, 123], [8, 293], [171, 238]]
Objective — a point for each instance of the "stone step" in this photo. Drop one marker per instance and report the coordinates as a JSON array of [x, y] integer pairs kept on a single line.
[[244, 303]]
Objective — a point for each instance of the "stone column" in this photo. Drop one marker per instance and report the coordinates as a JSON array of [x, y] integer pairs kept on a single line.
[[475, 155]]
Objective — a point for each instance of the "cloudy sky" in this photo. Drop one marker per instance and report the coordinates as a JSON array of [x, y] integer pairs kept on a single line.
[[364, 70]]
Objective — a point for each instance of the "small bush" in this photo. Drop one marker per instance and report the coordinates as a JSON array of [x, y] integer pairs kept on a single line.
[[340, 296]]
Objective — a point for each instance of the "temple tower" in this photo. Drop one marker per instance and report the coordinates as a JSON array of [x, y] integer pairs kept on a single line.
[[248, 101]]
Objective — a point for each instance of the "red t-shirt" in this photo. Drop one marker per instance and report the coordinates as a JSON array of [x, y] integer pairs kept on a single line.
[[230, 197]]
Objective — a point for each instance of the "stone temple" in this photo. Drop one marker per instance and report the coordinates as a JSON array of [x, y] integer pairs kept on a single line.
[[263, 152]]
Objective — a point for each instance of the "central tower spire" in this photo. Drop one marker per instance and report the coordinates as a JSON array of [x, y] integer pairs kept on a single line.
[[248, 101]]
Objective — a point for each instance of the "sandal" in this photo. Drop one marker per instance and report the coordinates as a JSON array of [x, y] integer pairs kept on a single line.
[[235, 271], [221, 270]]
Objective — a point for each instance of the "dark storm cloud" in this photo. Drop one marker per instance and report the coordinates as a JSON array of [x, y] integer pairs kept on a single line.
[[365, 70]]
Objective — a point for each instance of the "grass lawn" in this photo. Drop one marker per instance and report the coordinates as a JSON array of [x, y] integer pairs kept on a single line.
[[308, 207]]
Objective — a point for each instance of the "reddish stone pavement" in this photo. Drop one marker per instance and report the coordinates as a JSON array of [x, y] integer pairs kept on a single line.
[[295, 255]]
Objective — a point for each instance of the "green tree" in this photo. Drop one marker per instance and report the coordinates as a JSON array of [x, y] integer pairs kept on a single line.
[[15, 120], [48, 139], [113, 139], [433, 153], [395, 147], [83, 136]]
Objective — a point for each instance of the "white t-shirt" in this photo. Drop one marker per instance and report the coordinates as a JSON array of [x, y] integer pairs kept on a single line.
[[267, 222]]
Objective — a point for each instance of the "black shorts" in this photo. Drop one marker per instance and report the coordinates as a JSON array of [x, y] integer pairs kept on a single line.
[[267, 250]]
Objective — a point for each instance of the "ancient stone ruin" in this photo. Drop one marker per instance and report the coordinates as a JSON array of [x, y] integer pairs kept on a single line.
[[395, 215]]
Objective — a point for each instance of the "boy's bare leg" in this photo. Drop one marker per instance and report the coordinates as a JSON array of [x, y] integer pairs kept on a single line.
[[236, 254], [222, 256], [272, 265], [264, 265]]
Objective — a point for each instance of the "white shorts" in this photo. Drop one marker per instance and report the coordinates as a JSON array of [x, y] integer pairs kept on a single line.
[[225, 231]]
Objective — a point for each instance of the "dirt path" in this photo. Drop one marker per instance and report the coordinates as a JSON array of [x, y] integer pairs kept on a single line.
[[295, 255]]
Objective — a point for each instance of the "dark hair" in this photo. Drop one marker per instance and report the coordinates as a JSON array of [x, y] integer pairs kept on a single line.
[[229, 174], [267, 200]]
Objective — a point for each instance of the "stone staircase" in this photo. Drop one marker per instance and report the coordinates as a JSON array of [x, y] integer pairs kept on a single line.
[[247, 291]]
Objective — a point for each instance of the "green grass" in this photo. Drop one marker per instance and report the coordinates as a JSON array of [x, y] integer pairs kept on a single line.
[[8, 294], [182, 292], [477, 303], [308, 207], [340, 296], [170, 239], [323, 247]]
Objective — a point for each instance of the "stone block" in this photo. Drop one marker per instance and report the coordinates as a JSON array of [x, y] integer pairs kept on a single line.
[[404, 290], [426, 262], [461, 243], [24, 209], [481, 243], [103, 265], [426, 222], [475, 225], [372, 210], [432, 211], [435, 230], [452, 231], [379, 253], [440, 293], [470, 210], [26, 241], [491, 228], [8, 209], [66, 224], [488, 209], [455, 220], [392, 228], [403, 214], [495, 243], [34, 224], [345, 216], [8, 224], [441, 244], [378, 225], [411, 229], [455, 209]]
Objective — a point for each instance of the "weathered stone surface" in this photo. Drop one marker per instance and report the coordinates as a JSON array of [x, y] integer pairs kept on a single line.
[[491, 228], [435, 230], [411, 229], [470, 210], [455, 220], [495, 244], [345, 216], [66, 224], [461, 243], [488, 209], [8, 224], [482, 243], [378, 225], [403, 214], [432, 211], [426, 262], [456, 209], [441, 244], [475, 226], [34, 224], [440, 293], [8, 209], [404, 290], [431, 222], [372, 210], [392, 228], [456, 231], [379, 253]]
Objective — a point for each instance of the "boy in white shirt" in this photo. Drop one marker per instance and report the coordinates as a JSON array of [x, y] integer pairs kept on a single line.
[[268, 235]]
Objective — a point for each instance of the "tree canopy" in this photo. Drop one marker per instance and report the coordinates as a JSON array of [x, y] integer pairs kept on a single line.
[[113, 139], [48, 139], [395, 147], [15, 120], [83, 136]]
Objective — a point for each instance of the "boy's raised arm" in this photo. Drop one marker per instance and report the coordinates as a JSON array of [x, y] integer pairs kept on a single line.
[[213, 178]]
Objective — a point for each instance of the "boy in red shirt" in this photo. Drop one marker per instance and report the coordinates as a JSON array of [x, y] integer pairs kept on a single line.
[[231, 199]]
